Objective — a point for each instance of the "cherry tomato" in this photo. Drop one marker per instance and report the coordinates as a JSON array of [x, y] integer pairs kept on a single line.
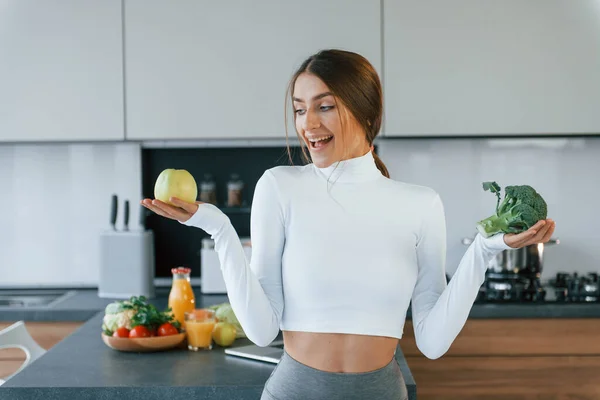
[[122, 332], [167, 329], [140, 331]]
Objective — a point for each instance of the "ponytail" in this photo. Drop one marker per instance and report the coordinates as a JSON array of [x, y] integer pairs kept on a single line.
[[380, 165]]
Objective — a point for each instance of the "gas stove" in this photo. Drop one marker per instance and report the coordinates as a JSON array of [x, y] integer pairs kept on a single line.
[[576, 289], [516, 288]]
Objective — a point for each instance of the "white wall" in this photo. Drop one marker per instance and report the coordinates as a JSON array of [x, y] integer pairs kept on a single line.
[[54, 202], [564, 171]]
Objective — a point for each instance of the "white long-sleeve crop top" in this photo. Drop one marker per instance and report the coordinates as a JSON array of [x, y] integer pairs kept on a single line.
[[344, 249]]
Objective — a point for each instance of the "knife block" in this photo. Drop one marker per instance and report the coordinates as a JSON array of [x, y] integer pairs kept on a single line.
[[126, 264]]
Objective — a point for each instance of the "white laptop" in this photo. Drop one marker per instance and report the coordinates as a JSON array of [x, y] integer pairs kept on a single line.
[[271, 353]]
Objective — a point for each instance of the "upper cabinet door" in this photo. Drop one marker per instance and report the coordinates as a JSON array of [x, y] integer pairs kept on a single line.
[[214, 69], [61, 70], [512, 67]]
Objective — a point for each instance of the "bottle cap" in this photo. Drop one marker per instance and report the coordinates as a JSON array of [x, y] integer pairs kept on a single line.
[[180, 270]]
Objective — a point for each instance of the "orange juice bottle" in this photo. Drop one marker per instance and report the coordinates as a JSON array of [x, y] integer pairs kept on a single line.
[[181, 298]]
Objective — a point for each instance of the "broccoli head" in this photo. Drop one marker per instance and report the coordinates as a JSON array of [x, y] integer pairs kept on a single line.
[[520, 209]]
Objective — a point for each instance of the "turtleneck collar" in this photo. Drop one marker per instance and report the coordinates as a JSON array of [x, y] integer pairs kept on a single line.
[[357, 169]]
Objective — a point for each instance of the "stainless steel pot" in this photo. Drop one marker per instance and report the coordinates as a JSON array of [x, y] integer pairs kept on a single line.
[[527, 261]]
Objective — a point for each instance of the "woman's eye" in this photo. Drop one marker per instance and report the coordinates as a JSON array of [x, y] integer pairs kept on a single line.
[[326, 108], [300, 111]]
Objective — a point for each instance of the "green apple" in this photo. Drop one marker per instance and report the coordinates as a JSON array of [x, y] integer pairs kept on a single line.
[[224, 334], [175, 183]]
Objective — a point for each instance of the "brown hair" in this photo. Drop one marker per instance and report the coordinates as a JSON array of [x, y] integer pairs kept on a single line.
[[352, 80]]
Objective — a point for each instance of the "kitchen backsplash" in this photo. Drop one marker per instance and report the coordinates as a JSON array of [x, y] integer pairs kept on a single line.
[[55, 202], [563, 170], [57, 196]]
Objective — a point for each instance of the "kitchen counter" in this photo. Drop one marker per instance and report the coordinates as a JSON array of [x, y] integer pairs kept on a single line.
[[85, 303], [535, 310], [82, 366], [78, 306]]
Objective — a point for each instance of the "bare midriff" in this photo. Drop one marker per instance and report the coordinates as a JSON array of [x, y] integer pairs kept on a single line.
[[338, 352]]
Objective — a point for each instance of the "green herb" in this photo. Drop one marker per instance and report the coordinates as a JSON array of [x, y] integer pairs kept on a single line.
[[148, 315]]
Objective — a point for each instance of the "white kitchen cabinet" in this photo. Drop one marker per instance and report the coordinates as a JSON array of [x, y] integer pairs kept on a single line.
[[472, 67], [219, 70], [61, 70]]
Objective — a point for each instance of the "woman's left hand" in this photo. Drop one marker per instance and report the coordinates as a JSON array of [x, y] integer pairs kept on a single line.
[[538, 233]]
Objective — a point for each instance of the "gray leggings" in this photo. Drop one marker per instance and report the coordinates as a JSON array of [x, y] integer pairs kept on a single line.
[[292, 380]]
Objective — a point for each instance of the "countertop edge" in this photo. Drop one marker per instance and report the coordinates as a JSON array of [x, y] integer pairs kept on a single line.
[[85, 304], [148, 392]]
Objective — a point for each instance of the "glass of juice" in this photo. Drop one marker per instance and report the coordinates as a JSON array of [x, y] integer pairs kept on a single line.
[[199, 325]]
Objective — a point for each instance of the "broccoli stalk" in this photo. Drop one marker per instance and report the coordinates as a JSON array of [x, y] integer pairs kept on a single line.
[[521, 208]]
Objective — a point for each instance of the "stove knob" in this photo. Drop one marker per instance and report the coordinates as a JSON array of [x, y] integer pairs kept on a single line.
[[562, 279], [574, 286], [541, 295]]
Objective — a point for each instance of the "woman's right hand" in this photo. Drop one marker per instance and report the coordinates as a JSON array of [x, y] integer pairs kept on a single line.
[[181, 210]]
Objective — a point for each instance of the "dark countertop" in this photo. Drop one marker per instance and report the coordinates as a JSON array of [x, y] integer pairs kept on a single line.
[[79, 306], [535, 310], [82, 366], [85, 303]]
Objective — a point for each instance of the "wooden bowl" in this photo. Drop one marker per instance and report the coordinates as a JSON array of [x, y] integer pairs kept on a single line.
[[150, 344]]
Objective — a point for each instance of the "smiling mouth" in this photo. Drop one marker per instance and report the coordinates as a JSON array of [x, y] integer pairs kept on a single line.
[[320, 143]]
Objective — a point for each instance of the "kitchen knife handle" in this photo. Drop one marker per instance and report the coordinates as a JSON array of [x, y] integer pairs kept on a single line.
[[143, 215], [113, 211], [126, 216]]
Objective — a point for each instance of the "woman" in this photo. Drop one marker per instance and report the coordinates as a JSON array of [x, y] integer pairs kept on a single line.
[[318, 230]]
